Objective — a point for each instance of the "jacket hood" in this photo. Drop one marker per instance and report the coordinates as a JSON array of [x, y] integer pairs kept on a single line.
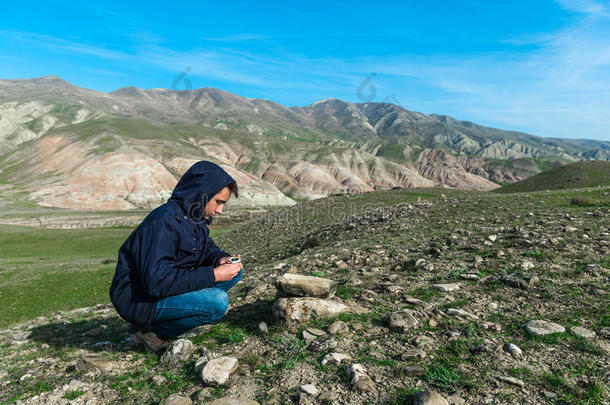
[[197, 186]]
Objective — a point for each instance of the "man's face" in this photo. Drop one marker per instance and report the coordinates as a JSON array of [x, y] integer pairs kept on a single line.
[[216, 204]]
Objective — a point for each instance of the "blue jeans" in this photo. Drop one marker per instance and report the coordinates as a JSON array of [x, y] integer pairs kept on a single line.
[[180, 313]]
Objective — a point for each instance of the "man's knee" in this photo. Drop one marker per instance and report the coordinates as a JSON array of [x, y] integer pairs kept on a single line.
[[215, 302]]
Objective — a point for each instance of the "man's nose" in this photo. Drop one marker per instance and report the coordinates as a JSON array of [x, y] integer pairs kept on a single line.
[[219, 209]]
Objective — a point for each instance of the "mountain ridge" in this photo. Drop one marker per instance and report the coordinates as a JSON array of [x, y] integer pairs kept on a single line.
[[330, 146]]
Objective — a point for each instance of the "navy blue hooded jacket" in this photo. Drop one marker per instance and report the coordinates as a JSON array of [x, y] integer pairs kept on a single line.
[[170, 252]]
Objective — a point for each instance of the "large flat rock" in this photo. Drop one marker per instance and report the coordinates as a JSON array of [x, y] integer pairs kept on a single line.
[[297, 285], [300, 309]]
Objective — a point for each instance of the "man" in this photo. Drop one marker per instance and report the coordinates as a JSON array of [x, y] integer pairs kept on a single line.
[[170, 276]]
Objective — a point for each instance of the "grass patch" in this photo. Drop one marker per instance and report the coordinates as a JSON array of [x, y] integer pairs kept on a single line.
[[220, 334]]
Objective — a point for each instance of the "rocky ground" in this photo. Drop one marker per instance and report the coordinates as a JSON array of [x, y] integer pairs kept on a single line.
[[430, 298]]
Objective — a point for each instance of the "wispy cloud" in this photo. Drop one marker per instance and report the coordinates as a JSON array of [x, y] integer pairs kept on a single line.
[[584, 6], [236, 38]]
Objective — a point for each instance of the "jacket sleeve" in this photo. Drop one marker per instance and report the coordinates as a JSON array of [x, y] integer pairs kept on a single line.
[[156, 258], [213, 253]]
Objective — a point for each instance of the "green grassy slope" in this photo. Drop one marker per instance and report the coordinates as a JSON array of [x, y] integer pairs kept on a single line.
[[575, 175]]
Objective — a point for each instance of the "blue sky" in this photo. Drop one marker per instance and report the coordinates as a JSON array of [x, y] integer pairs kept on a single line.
[[540, 66]]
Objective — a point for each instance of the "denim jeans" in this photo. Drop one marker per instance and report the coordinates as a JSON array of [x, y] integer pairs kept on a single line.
[[180, 313]]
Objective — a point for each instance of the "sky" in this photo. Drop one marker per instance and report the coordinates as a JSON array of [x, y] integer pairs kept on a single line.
[[538, 66]]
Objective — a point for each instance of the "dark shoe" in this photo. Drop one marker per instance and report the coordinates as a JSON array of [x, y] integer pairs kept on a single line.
[[154, 342]]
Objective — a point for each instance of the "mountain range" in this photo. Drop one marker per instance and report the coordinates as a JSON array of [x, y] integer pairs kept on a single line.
[[71, 147]]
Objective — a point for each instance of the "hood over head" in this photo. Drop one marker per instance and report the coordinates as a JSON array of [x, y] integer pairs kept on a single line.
[[197, 186]]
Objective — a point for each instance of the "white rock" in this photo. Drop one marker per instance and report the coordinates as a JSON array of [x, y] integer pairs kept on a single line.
[[335, 358], [461, 313], [513, 349], [583, 332], [512, 381], [179, 350], [301, 309], [309, 389], [446, 287], [360, 380], [305, 286], [338, 327], [233, 401], [159, 380], [176, 399], [263, 328], [218, 371], [428, 398], [540, 327]]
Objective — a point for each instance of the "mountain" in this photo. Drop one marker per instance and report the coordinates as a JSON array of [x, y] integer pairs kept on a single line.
[[70, 147], [575, 175]]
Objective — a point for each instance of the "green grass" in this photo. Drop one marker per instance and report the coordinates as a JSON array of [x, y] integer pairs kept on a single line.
[[45, 270], [575, 175]]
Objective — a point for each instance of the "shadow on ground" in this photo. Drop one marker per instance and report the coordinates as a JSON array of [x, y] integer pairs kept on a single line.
[[111, 333]]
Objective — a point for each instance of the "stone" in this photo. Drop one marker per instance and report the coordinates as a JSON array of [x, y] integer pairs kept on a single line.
[[335, 358], [446, 287], [513, 350], [316, 331], [338, 327], [583, 332], [159, 380], [305, 286], [414, 370], [540, 327], [309, 389], [308, 337], [492, 306], [393, 289], [414, 301], [301, 309], [359, 379], [469, 276], [423, 341], [262, 327], [176, 399], [93, 362], [456, 400], [461, 313], [200, 363], [492, 238], [428, 398], [323, 344], [512, 381], [402, 320], [218, 371], [416, 354], [74, 384], [233, 401], [179, 350], [515, 281]]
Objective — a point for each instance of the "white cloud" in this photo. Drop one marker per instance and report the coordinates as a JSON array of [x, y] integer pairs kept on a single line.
[[584, 6]]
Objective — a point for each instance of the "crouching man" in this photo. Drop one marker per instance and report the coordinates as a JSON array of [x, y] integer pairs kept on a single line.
[[170, 276]]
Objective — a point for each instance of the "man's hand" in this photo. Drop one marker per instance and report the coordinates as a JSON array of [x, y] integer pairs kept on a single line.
[[225, 260], [226, 272]]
